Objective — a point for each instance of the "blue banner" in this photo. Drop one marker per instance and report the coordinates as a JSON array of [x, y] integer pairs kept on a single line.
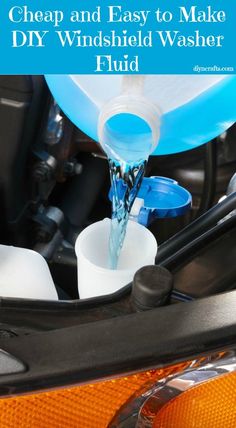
[[102, 37]]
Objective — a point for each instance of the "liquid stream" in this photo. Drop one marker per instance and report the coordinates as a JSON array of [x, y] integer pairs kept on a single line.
[[126, 180]]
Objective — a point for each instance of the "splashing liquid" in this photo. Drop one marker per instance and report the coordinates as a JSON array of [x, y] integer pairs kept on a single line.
[[126, 180]]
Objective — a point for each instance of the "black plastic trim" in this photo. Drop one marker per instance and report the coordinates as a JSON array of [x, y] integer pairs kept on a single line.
[[121, 345]]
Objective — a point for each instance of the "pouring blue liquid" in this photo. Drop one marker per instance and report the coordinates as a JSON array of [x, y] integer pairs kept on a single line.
[[126, 175], [126, 180]]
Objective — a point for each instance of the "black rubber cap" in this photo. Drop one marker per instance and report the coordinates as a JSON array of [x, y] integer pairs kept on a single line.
[[152, 286]]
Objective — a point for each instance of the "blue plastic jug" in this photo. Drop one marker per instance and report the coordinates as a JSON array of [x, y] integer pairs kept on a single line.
[[181, 112]]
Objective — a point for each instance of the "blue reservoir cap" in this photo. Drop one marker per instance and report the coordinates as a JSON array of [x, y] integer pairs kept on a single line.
[[163, 198]]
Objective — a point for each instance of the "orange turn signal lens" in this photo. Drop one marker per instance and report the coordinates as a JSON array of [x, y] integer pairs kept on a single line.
[[88, 406], [212, 404], [197, 394]]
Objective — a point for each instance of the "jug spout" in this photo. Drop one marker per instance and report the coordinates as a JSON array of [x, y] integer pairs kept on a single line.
[[129, 124]]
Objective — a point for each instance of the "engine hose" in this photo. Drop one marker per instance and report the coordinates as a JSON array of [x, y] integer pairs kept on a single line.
[[196, 228], [190, 250]]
